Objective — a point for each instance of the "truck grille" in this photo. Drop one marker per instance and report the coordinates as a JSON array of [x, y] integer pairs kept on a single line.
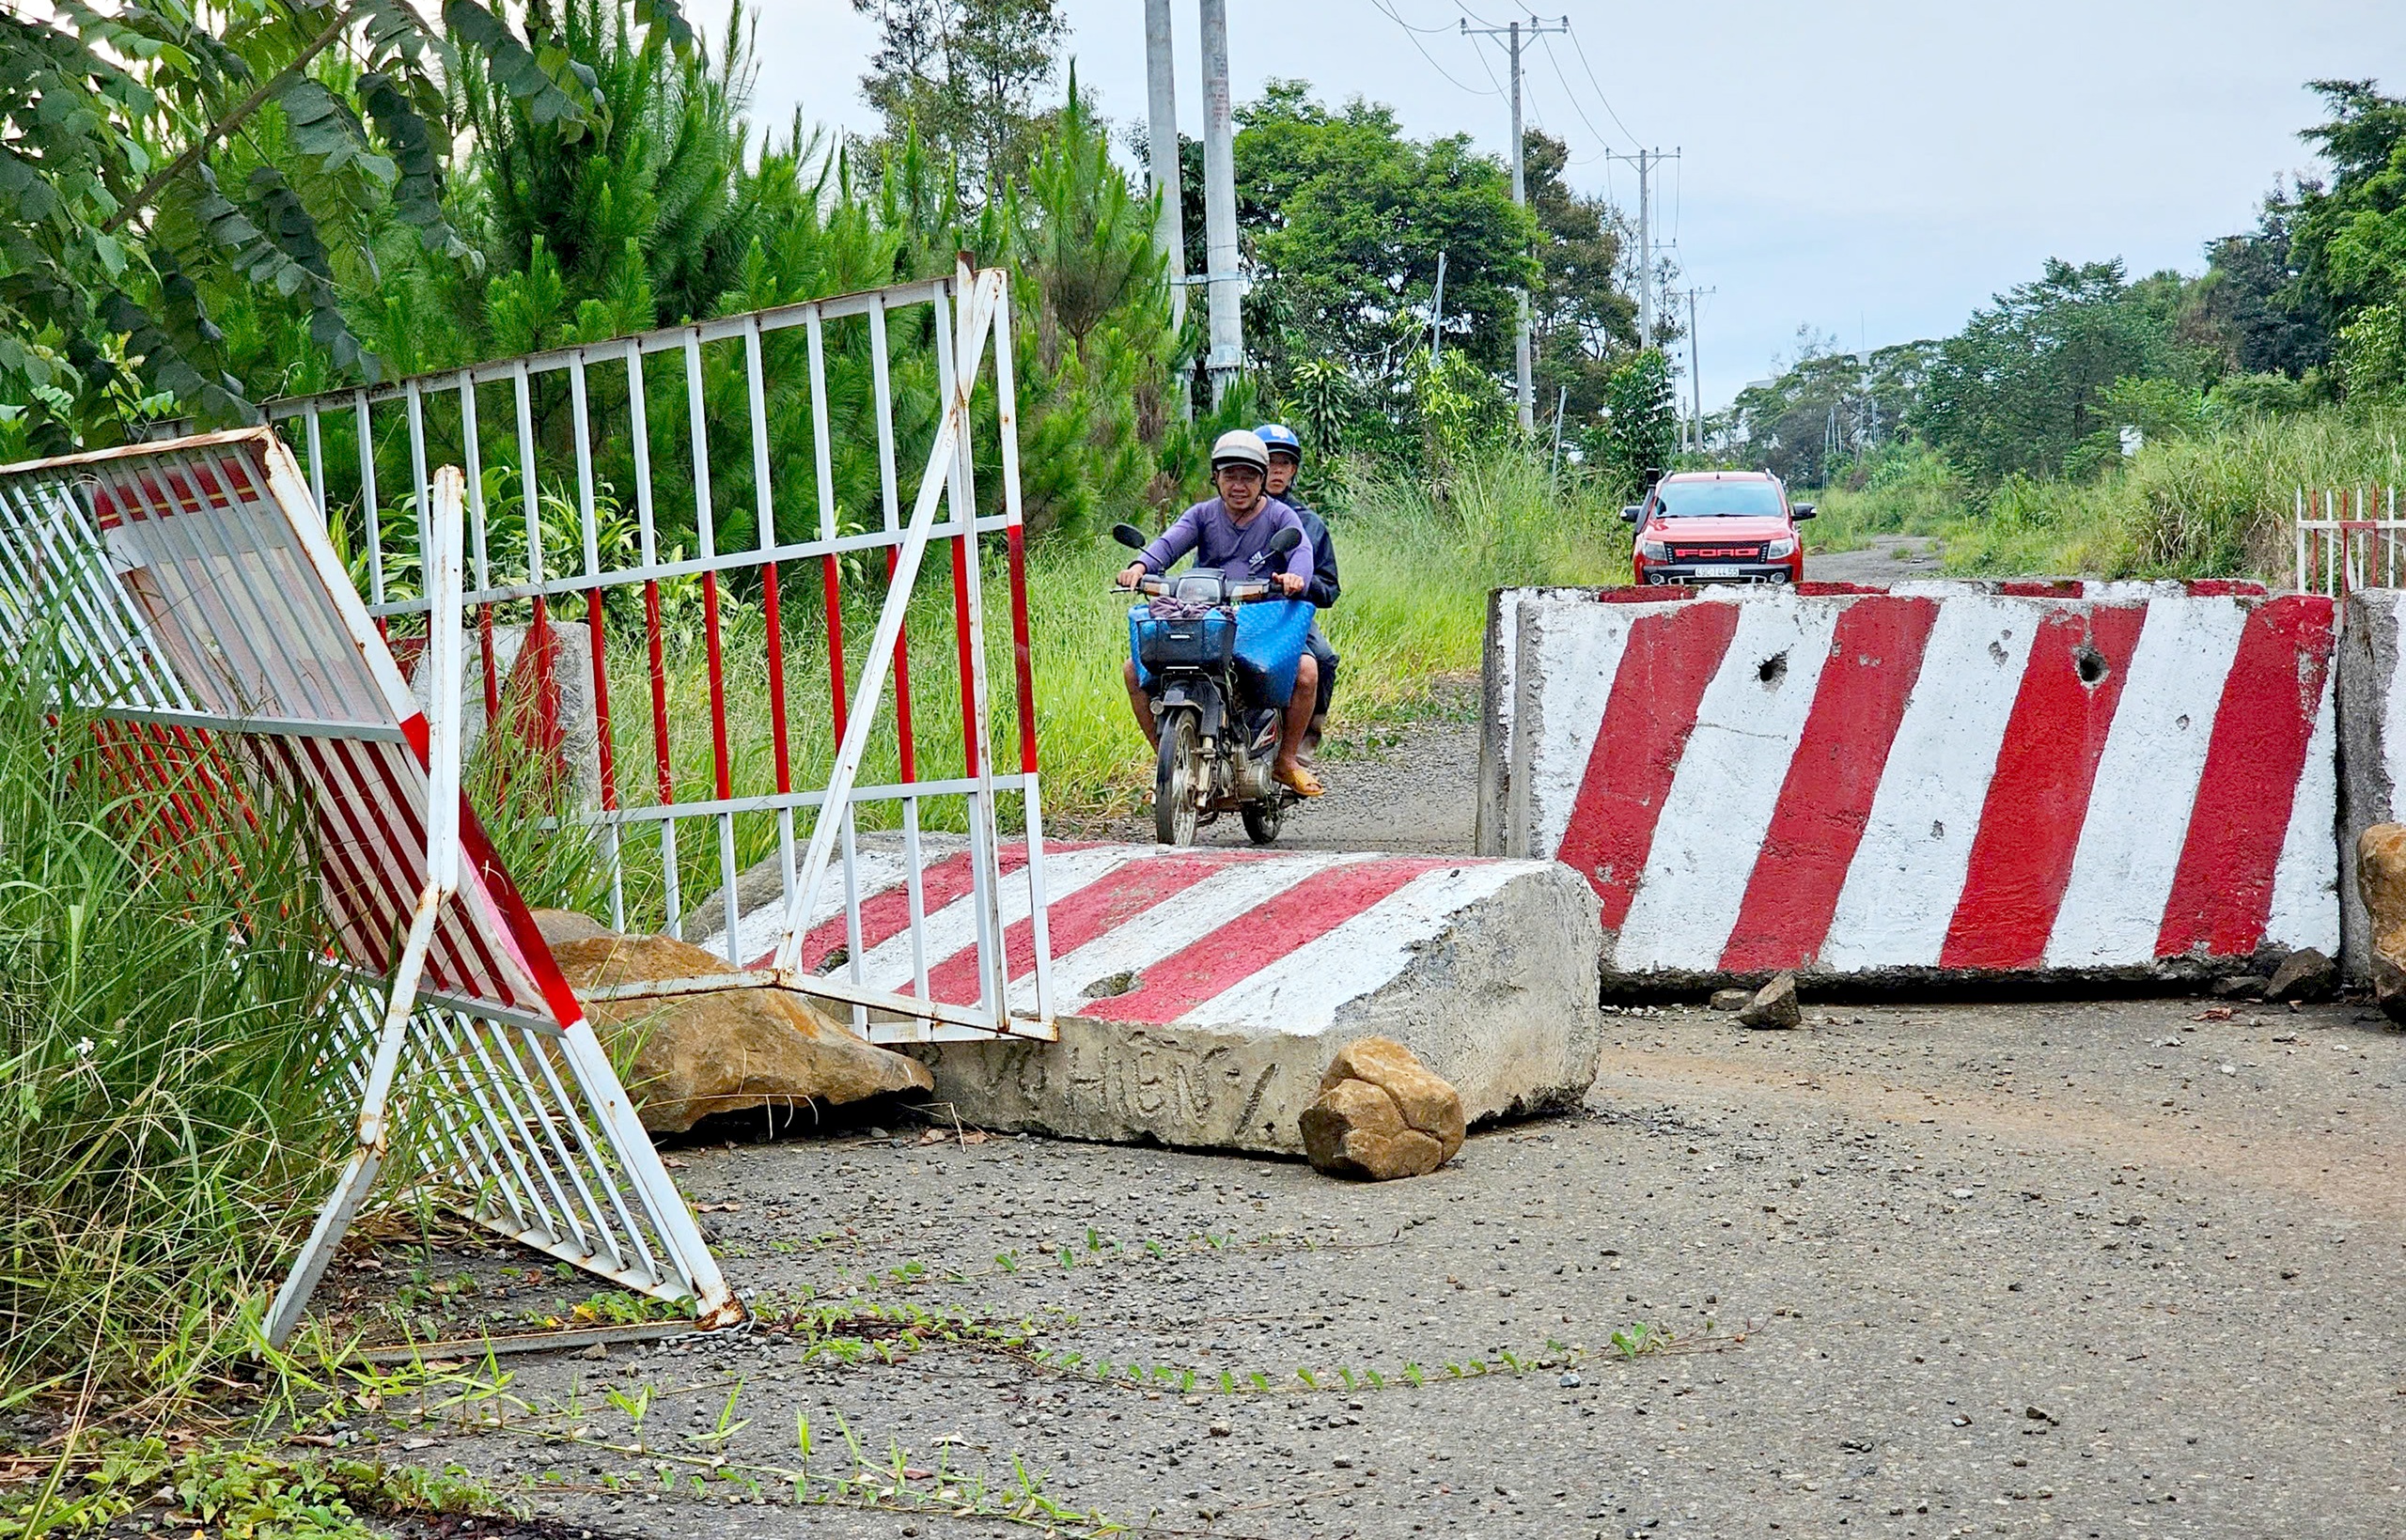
[[1717, 552]]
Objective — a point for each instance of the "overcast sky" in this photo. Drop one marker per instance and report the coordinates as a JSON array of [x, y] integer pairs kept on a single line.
[[1872, 168]]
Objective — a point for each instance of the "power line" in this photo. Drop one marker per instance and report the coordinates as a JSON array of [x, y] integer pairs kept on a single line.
[[1574, 96], [1410, 31], [1598, 86]]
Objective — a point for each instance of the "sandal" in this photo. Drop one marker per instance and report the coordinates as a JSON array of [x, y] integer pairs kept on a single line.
[[1300, 781]]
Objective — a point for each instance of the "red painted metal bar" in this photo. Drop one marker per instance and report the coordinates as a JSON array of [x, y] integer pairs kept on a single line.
[[902, 689], [601, 699], [774, 620], [829, 581], [718, 688], [1023, 652], [492, 676], [659, 694], [973, 751]]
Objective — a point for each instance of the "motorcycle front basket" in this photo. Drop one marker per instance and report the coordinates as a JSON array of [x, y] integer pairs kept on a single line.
[[1207, 642]]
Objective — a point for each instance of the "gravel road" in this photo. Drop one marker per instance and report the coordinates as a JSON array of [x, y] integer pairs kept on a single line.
[[2060, 1269], [1887, 559]]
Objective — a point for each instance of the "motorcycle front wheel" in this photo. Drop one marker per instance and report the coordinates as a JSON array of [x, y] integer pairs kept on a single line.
[[1178, 772], [1262, 821]]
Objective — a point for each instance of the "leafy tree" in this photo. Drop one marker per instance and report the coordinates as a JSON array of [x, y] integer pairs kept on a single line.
[[1581, 317], [1345, 218], [2026, 383], [1826, 409], [1641, 427], [965, 75], [2258, 311], [118, 211]]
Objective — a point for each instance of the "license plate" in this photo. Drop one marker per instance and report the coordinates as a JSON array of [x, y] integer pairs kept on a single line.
[[1720, 572]]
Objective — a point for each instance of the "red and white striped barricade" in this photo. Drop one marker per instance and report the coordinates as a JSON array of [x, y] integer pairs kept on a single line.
[[1203, 991], [194, 593], [681, 478], [1939, 779]]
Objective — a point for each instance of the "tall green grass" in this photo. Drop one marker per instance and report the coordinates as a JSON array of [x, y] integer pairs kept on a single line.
[[2217, 503], [163, 1129]]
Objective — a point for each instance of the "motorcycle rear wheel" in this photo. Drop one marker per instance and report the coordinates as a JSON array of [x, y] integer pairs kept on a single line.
[[1262, 821], [1178, 772]]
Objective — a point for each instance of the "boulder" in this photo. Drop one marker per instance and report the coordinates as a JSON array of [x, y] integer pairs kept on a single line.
[[2380, 882], [1381, 1114], [2242, 986], [1732, 999], [685, 1057], [2306, 973], [1773, 1005]]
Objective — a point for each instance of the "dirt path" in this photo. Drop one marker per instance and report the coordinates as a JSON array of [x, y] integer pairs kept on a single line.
[[1889, 558]]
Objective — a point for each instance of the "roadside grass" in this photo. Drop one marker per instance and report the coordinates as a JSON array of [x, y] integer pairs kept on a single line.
[[2214, 503]]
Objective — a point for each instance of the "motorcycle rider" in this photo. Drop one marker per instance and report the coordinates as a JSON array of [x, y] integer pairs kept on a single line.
[[1232, 531], [1286, 463]]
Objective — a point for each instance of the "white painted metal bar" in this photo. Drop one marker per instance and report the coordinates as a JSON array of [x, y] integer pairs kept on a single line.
[[370, 519], [1032, 817]]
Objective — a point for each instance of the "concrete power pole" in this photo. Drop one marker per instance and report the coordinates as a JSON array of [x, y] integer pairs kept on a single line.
[[1161, 80], [1513, 34], [1647, 162], [1226, 358], [1170, 229], [1695, 378]]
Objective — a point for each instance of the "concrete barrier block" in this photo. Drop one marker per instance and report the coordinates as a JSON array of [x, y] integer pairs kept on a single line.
[[1942, 780], [1201, 994], [2373, 751]]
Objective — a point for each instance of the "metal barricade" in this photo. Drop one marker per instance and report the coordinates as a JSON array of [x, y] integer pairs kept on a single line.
[[199, 605], [2349, 539], [559, 444]]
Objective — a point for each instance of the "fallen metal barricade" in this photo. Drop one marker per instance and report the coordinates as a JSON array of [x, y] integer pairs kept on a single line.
[[594, 420], [198, 602], [2349, 539]]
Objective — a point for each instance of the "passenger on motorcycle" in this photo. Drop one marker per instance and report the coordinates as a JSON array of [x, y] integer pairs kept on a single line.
[[1232, 531], [1286, 463]]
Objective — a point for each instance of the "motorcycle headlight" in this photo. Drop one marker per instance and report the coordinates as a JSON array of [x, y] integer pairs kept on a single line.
[[1779, 550], [1654, 550]]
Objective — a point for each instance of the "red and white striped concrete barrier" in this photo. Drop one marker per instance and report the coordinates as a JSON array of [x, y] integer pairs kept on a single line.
[[1934, 778], [1203, 991]]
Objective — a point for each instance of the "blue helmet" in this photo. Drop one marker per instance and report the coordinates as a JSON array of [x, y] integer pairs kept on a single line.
[[1278, 437]]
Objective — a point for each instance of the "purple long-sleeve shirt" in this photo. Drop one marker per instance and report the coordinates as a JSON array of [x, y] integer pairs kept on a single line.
[[1241, 550]]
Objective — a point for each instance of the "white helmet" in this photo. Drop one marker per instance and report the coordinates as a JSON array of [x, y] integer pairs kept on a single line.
[[1241, 447]]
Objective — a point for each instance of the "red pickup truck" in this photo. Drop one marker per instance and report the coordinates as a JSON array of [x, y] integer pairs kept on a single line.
[[1718, 526]]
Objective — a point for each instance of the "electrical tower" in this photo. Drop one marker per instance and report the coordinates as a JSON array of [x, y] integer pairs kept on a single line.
[[1514, 32]]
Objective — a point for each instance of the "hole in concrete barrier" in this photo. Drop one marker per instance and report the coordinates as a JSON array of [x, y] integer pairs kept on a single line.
[[1773, 669], [2089, 663], [1116, 984]]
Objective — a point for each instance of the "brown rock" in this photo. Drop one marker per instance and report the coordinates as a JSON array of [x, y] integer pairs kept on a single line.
[[1732, 999], [2381, 881], [1773, 1005], [2304, 975], [687, 1056], [1382, 1114]]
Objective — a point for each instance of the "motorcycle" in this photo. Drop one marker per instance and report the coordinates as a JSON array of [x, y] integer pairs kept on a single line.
[[1209, 676]]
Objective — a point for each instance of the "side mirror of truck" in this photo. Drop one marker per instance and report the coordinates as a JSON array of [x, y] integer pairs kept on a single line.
[[1128, 535], [1629, 513], [1802, 510]]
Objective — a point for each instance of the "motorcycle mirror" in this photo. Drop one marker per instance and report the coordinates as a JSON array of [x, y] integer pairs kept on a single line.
[[1285, 540], [1128, 535]]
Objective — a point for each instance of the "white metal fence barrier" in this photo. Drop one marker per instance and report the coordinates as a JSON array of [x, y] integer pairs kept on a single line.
[[650, 491], [201, 609], [2349, 539]]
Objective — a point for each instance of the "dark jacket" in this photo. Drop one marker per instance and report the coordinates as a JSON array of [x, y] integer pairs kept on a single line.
[[1322, 590]]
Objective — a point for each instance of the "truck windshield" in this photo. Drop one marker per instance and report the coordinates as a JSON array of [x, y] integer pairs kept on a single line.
[[1707, 499]]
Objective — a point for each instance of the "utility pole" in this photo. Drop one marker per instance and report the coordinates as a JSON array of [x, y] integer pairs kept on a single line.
[[1437, 312], [1169, 227], [1695, 378], [1226, 358], [1161, 80], [1647, 162], [1513, 33]]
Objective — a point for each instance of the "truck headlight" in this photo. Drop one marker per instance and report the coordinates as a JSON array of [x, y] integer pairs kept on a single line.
[[1654, 550], [1779, 550]]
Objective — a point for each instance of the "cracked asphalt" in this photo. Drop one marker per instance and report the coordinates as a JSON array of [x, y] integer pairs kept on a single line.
[[2082, 1269]]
